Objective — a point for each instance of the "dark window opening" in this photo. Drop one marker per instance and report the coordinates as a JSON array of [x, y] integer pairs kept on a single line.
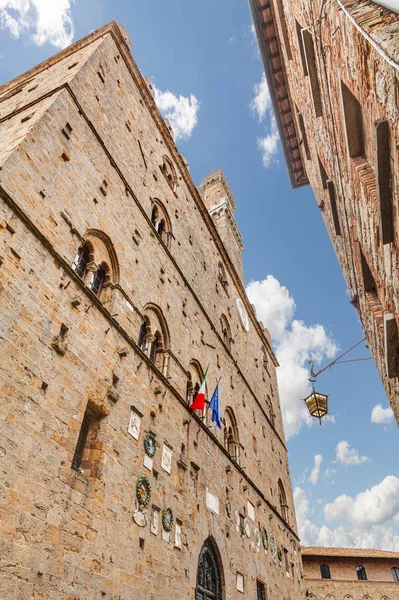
[[88, 440], [301, 48], [368, 279], [325, 572], [361, 573], [395, 573], [333, 206], [323, 174], [154, 349], [260, 590], [142, 341], [81, 261], [311, 65], [284, 31], [353, 122], [97, 281], [382, 165]]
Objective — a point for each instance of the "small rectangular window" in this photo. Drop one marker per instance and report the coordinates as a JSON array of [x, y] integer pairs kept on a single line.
[[391, 343], [353, 122], [382, 165], [301, 48], [368, 279], [325, 572], [323, 174], [260, 590], [284, 31], [311, 65], [86, 457], [333, 206]]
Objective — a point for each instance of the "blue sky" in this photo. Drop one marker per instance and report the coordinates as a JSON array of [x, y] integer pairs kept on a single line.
[[205, 55]]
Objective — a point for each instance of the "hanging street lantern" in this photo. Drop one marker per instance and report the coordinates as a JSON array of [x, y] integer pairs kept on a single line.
[[317, 405]]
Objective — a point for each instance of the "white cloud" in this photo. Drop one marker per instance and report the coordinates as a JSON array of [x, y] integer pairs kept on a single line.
[[295, 344], [374, 506], [348, 456], [182, 112], [45, 20], [261, 101], [268, 145], [381, 415], [365, 518], [261, 106], [314, 476]]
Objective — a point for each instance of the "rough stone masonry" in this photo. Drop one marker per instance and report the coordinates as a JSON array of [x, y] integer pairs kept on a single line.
[[117, 288]]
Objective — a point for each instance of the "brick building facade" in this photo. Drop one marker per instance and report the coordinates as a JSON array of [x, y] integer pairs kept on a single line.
[[350, 574], [119, 284], [332, 72]]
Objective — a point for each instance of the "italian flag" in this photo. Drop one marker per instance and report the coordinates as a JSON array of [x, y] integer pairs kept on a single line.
[[199, 400]]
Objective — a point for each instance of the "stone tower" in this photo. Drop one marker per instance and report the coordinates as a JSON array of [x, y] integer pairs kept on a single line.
[[112, 487], [221, 204]]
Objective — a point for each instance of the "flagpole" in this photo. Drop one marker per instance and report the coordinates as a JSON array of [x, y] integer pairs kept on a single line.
[[207, 408]]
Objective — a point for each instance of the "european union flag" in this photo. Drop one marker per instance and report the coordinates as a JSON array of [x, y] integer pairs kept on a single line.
[[214, 406]]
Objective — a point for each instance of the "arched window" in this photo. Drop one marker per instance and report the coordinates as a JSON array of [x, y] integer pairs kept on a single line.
[[325, 572], [226, 331], [142, 341], [395, 573], [154, 337], [231, 437], [283, 501], [81, 261], [161, 222], [361, 573], [169, 172], [96, 263], [98, 279], [209, 573]]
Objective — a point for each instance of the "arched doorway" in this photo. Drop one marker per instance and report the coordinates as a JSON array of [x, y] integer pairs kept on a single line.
[[209, 574]]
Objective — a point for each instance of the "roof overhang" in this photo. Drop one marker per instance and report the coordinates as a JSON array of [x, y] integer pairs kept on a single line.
[[273, 62]]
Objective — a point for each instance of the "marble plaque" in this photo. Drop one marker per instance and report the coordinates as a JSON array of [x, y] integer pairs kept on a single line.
[[212, 502], [155, 520], [135, 423], [240, 582], [251, 510], [166, 458], [177, 535], [147, 462]]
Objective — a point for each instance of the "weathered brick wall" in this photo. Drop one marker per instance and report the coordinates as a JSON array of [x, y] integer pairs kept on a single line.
[[344, 55], [344, 584], [65, 534]]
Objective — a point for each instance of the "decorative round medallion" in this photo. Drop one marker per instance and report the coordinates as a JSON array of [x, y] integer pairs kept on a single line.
[[279, 555], [243, 314], [272, 544], [167, 518], [149, 444], [265, 539], [143, 490], [228, 509]]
